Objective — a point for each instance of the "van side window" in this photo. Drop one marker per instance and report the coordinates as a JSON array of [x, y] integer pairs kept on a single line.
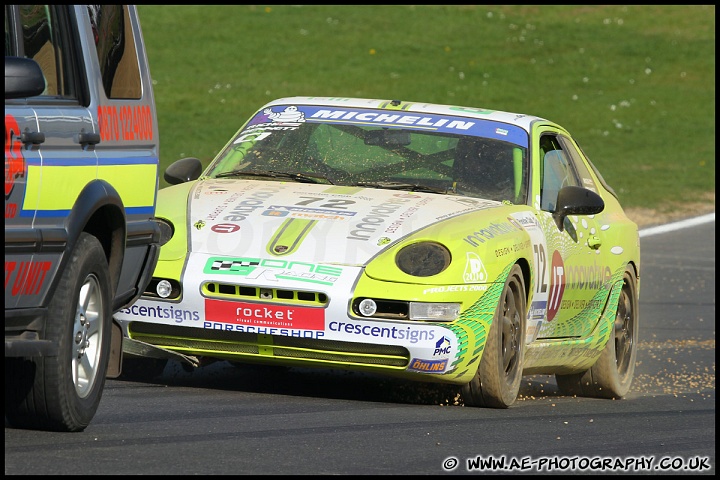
[[115, 46], [9, 51], [42, 42]]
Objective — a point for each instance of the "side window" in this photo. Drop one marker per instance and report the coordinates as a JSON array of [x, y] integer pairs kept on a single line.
[[42, 41], [586, 179], [557, 171], [9, 50], [115, 47], [597, 173]]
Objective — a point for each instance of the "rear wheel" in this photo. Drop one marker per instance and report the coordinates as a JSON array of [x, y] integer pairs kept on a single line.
[[63, 393], [497, 381], [613, 372]]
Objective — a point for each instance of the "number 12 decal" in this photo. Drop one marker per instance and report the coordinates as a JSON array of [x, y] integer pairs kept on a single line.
[[541, 262]]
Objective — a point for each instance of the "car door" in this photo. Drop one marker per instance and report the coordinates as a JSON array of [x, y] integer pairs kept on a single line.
[[575, 277], [20, 129], [54, 132]]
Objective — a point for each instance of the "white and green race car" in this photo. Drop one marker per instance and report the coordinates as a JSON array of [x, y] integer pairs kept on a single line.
[[436, 243]]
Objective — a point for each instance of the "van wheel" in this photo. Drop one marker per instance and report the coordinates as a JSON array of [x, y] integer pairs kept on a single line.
[[497, 381], [613, 372], [62, 393]]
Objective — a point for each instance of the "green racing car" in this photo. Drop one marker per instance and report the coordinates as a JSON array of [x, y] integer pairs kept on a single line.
[[435, 243]]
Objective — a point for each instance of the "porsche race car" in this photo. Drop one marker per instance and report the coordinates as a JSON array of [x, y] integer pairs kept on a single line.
[[437, 243]]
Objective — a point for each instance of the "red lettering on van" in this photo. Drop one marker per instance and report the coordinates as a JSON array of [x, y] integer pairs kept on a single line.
[[14, 160]]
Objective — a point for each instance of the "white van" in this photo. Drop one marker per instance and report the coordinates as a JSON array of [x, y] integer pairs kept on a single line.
[[81, 180]]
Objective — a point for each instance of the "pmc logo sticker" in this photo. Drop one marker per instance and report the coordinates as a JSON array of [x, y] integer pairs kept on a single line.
[[557, 285]]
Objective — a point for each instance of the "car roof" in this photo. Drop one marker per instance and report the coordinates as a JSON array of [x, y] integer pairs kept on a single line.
[[520, 119]]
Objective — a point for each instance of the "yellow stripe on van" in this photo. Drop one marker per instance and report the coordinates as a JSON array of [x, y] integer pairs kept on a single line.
[[135, 183], [63, 184]]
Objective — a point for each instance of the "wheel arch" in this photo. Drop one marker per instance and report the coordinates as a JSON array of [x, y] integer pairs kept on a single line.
[[636, 271], [99, 211], [527, 278]]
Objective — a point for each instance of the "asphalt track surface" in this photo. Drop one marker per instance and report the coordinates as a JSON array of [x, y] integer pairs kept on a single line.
[[222, 419]]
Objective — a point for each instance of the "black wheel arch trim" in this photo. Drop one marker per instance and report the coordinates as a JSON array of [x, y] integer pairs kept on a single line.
[[99, 210]]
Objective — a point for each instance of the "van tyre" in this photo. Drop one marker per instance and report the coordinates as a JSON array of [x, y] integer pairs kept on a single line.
[[613, 372], [497, 381], [63, 393]]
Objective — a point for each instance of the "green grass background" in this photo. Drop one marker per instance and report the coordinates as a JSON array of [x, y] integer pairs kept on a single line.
[[635, 85]]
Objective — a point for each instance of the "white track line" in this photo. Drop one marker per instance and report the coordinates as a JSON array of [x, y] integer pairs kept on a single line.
[[710, 217]]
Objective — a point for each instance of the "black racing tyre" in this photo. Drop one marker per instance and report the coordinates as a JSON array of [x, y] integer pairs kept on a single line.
[[497, 381], [613, 372], [63, 393]]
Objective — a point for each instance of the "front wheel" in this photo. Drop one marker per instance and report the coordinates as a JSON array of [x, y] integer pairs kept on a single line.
[[497, 381], [613, 372], [63, 393]]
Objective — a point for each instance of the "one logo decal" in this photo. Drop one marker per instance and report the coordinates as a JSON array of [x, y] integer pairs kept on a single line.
[[240, 266], [274, 270]]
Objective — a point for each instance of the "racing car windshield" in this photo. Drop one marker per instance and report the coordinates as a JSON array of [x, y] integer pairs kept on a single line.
[[439, 153]]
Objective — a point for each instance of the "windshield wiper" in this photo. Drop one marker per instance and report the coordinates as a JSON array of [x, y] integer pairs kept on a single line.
[[412, 187], [298, 177]]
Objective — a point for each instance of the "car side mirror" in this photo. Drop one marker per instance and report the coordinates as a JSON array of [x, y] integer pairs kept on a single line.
[[23, 78], [183, 170], [574, 200]]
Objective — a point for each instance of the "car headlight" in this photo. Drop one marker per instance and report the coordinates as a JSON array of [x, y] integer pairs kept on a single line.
[[163, 288], [399, 310], [423, 259], [167, 230], [367, 307], [436, 312]]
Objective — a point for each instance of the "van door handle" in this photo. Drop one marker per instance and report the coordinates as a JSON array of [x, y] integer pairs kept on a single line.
[[85, 139], [32, 138]]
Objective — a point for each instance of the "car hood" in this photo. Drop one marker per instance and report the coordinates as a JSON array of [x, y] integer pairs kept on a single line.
[[311, 222]]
